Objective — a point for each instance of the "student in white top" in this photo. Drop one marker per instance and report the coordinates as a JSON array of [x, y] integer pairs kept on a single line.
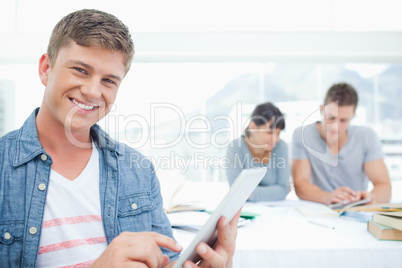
[[333, 161], [72, 223]]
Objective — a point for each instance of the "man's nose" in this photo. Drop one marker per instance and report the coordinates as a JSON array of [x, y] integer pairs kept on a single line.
[[91, 89]]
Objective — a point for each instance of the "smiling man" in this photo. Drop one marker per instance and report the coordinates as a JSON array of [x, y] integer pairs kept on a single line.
[[69, 196], [333, 160]]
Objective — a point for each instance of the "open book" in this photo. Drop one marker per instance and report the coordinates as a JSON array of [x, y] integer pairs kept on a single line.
[[382, 207], [181, 199], [193, 196]]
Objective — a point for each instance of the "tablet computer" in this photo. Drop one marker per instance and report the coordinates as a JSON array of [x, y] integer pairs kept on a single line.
[[349, 205], [238, 194]]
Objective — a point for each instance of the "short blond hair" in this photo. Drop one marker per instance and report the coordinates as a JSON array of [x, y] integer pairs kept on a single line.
[[342, 93], [92, 28]]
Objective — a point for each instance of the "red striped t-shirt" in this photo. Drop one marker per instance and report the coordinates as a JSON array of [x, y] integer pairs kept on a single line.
[[72, 231]]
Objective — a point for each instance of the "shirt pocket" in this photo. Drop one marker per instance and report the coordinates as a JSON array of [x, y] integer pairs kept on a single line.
[[11, 237], [135, 213]]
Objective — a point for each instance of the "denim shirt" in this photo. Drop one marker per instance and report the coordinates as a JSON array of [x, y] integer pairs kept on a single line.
[[129, 192]]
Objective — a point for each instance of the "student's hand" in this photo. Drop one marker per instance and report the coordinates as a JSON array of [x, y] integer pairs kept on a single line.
[[364, 195], [342, 195], [222, 254], [137, 250]]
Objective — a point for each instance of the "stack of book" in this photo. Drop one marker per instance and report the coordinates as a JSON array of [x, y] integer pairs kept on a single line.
[[386, 225]]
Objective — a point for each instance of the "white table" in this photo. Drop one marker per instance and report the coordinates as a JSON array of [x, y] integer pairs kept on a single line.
[[283, 237]]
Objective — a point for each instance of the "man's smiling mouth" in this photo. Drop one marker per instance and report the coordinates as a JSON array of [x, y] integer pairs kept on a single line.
[[83, 106]]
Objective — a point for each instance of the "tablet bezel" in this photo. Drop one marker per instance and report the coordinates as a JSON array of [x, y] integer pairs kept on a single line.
[[239, 192]]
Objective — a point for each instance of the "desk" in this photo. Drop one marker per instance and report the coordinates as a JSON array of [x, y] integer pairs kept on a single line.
[[283, 237]]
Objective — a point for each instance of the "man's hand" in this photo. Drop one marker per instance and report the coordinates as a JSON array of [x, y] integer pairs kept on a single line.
[[222, 254], [343, 195], [137, 250], [364, 195]]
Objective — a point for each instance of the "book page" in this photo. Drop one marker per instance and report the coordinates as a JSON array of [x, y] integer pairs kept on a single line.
[[189, 195], [316, 210]]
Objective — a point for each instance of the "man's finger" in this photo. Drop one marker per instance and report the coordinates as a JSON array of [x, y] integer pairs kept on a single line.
[[234, 222], [348, 190], [166, 242], [213, 258]]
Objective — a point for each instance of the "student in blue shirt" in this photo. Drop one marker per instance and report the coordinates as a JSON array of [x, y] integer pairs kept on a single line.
[[89, 54], [261, 146]]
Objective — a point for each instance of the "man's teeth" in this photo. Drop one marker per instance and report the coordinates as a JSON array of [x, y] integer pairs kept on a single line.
[[83, 106]]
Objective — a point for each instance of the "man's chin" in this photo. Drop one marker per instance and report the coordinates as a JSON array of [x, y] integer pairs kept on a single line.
[[332, 140]]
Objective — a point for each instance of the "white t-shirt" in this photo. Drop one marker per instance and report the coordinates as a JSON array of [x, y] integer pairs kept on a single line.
[[72, 231]]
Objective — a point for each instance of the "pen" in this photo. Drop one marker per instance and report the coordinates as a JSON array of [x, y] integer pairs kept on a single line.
[[322, 225]]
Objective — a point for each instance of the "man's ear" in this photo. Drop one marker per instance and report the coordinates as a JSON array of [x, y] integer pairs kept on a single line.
[[44, 67], [322, 111]]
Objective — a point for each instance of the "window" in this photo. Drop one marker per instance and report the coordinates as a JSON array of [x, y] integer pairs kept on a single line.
[[183, 115], [201, 67]]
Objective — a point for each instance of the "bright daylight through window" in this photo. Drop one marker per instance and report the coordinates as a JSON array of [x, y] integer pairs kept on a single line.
[[199, 71]]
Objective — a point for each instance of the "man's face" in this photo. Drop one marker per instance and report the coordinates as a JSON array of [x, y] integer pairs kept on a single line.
[[336, 120], [81, 85]]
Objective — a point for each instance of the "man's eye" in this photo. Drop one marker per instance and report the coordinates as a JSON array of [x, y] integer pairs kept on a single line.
[[80, 70], [109, 81]]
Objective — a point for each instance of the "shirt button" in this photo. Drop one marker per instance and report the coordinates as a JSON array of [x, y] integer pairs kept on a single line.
[[7, 235], [43, 157], [134, 206], [33, 230], [42, 186]]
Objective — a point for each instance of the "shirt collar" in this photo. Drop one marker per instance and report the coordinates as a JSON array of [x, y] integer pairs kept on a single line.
[[104, 141], [28, 145]]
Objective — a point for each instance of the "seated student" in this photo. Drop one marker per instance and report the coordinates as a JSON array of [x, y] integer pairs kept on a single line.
[[260, 146], [72, 196], [333, 160]]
